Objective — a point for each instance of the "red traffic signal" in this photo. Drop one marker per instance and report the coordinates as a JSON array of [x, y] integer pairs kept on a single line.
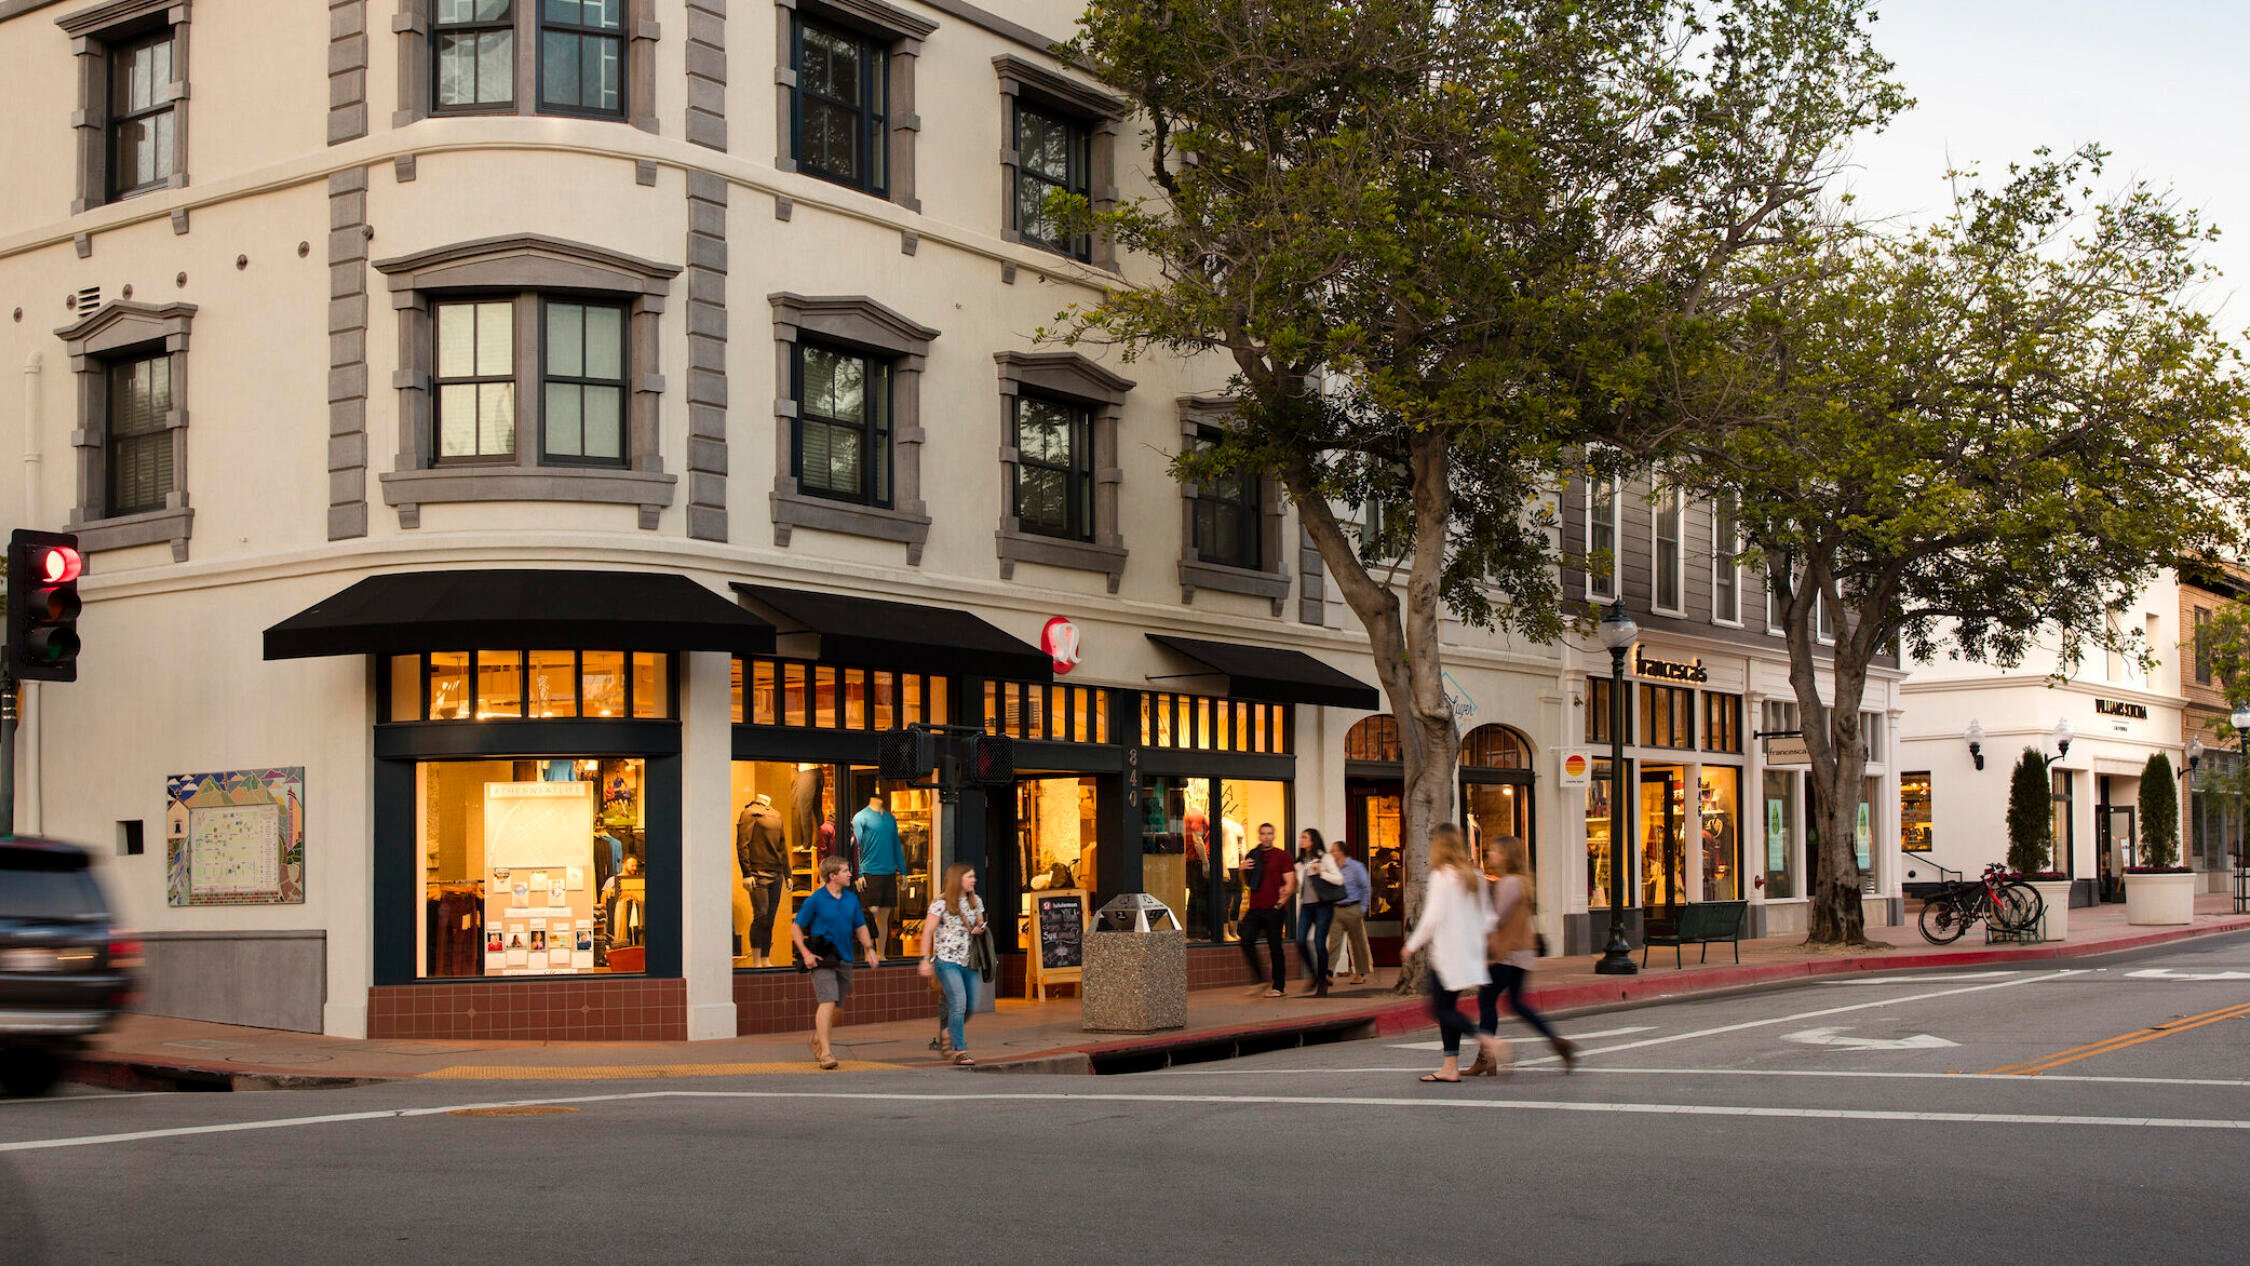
[[43, 605]]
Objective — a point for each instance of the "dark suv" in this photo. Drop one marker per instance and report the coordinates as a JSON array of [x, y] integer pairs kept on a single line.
[[64, 971]]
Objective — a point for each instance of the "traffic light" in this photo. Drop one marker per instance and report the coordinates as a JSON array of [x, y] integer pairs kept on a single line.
[[905, 755], [992, 759], [43, 571]]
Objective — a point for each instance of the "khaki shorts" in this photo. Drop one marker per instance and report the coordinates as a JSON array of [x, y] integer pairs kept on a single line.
[[832, 984]]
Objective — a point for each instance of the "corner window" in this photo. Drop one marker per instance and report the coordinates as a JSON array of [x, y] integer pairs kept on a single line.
[[1670, 562], [475, 416], [583, 387], [137, 443], [843, 429], [1227, 513], [1054, 470], [1601, 539], [474, 46], [840, 106], [582, 56], [1053, 156], [142, 121]]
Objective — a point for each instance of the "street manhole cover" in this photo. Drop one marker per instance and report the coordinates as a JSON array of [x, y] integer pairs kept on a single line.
[[520, 1110], [207, 1044]]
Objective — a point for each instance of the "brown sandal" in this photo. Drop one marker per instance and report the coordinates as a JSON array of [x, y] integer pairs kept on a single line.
[[962, 1060]]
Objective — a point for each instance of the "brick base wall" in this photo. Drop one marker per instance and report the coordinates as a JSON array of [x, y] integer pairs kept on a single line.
[[567, 1009], [782, 1001]]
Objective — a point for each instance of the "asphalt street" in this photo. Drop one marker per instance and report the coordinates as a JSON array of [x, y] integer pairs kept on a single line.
[[2095, 1112]]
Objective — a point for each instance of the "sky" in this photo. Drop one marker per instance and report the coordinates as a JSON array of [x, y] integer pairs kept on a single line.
[[2159, 83]]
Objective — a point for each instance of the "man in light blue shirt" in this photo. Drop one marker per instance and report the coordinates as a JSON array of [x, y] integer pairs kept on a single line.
[[1351, 914], [881, 858]]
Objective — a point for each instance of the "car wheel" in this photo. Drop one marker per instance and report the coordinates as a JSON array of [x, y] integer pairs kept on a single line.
[[29, 1074]]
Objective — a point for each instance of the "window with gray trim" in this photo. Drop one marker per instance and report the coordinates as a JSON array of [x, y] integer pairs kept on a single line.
[[583, 385], [584, 58], [848, 429], [1058, 135], [843, 444], [132, 98], [130, 360], [1233, 535], [571, 389], [1227, 516], [1059, 418], [474, 414], [1053, 157], [474, 44], [845, 85], [1054, 468]]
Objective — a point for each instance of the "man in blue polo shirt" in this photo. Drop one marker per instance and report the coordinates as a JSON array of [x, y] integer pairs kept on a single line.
[[831, 914], [881, 858]]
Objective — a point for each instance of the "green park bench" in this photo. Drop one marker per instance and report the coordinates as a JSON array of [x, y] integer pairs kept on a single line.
[[1700, 923]]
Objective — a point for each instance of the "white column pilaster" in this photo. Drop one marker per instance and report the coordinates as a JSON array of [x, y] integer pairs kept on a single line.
[[707, 843]]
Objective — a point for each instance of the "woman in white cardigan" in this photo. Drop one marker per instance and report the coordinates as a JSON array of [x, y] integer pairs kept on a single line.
[[1455, 919]]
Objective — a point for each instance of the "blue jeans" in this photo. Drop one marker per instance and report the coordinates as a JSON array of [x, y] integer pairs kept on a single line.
[[1312, 938], [960, 986], [765, 898]]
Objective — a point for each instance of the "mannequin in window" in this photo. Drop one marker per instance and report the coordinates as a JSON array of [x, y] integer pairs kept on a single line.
[[881, 858], [761, 849], [804, 812]]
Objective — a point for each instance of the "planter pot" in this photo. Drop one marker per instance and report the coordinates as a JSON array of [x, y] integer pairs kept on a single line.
[[2054, 925], [2160, 899]]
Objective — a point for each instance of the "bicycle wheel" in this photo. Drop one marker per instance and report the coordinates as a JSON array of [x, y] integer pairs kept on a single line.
[[2019, 909], [1942, 923]]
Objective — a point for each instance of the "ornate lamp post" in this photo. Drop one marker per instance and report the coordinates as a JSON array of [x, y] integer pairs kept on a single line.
[[1617, 632]]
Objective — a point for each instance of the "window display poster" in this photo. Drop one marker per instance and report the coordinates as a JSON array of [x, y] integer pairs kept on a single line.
[[1863, 841], [235, 838], [533, 832], [1777, 839]]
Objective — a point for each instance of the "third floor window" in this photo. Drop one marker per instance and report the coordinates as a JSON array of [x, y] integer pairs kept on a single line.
[[1226, 521], [577, 47], [1053, 156], [141, 114], [840, 106], [1054, 468], [843, 431], [581, 377], [1601, 538], [139, 438]]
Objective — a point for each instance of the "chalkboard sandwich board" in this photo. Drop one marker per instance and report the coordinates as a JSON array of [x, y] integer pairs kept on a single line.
[[1058, 925]]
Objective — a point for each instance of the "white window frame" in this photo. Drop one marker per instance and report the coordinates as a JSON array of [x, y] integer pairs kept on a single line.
[[1824, 624], [1656, 550], [1724, 555], [1603, 586]]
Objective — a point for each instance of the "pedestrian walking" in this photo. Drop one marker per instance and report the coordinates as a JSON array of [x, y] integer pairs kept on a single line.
[[1269, 881], [1349, 929], [827, 925], [1320, 885], [1512, 954], [1456, 915], [949, 935]]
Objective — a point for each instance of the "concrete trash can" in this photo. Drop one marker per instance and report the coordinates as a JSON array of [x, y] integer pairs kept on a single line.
[[1136, 968]]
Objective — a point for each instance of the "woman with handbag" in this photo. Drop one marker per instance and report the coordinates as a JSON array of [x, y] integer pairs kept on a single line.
[[954, 922], [1456, 916], [1513, 949], [1320, 885]]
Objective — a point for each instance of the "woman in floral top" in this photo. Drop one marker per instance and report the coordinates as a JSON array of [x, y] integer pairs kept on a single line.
[[956, 918]]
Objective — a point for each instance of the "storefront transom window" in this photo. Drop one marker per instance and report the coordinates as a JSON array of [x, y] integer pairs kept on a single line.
[[1206, 723], [827, 697], [493, 685]]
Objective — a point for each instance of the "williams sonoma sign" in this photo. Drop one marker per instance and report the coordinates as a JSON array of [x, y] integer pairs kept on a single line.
[[2120, 708]]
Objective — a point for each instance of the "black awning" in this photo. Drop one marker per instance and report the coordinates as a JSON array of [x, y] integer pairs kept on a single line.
[[1273, 675], [404, 612], [877, 631]]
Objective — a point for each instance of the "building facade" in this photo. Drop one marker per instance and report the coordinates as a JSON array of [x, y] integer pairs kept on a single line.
[[2213, 840], [1718, 804], [526, 454]]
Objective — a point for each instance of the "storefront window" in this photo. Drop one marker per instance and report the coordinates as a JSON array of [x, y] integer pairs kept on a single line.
[[652, 686], [532, 867], [1722, 721], [1721, 808], [1386, 854], [793, 693], [602, 674], [1199, 721], [499, 684], [893, 833], [406, 688], [1780, 830], [1667, 716], [554, 684], [1914, 812], [1660, 817], [1175, 864], [1057, 839], [1863, 832], [1599, 823], [449, 686], [1244, 806]]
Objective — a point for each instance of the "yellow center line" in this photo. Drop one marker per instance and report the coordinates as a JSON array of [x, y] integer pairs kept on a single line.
[[2033, 1067]]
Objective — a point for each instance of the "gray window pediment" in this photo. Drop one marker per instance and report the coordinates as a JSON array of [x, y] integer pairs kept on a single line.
[[854, 319], [1064, 374], [527, 261], [123, 323]]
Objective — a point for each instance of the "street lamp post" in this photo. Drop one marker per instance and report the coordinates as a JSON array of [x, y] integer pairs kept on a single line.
[[1617, 632]]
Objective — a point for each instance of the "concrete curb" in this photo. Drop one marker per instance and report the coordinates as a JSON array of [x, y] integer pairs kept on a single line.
[[140, 1073]]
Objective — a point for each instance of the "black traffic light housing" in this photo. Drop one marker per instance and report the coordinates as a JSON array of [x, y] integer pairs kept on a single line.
[[43, 571]]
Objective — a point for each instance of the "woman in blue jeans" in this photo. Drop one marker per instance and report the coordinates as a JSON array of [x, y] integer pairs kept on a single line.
[[955, 920], [1314, 912]]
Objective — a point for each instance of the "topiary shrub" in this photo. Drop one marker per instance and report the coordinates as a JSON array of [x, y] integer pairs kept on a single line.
[[2031, 822], [2160, 815]]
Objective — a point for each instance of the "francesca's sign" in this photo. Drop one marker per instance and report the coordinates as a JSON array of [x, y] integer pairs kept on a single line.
[[2120, 708], [1667, 669], [1788, 749], [1060, 640]]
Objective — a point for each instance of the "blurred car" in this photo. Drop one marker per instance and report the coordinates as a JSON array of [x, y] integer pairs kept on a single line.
[[65, 972]]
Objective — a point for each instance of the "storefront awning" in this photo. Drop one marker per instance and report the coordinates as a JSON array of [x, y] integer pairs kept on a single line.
[[1274, 676], [877, 631], [403, 612]]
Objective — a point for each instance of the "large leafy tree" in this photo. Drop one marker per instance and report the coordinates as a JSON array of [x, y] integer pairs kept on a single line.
[[1967, 438], [1441, 244]]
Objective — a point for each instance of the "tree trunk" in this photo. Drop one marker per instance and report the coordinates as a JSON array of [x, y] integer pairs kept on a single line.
[[1839, 757], [1408, 661]]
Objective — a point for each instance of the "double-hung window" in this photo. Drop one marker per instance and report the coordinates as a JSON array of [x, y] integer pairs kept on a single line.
[[1054, 494], [1671, 561], [475, 412], [840, 105], [1053, 156], [583, 386], [1602, 509], [1227, 511], [582, 57], [474, 45], [137, 437], [141, 114], [843, 430], [1726, 568]]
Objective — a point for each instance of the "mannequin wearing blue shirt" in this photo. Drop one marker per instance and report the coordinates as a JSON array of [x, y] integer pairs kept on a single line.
[[881, 858]]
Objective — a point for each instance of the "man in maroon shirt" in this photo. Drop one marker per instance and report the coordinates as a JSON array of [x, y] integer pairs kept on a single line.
[[1271, 880]]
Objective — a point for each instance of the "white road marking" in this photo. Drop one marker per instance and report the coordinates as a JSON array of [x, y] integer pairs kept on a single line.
[[1846, 1074], [98, 1097], [1832, 1035], [283, 1123], [1580, 1037], [2166, 973], [1813, 1015]]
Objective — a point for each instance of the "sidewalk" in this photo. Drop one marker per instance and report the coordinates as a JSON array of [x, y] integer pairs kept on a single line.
[[151, 1052]]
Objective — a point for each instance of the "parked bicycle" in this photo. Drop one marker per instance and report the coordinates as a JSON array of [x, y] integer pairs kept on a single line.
[[2010, 905]]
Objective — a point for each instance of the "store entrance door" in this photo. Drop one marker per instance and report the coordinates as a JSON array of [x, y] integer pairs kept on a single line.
[[2113, 835], [1663, 859], [1371, 834]]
